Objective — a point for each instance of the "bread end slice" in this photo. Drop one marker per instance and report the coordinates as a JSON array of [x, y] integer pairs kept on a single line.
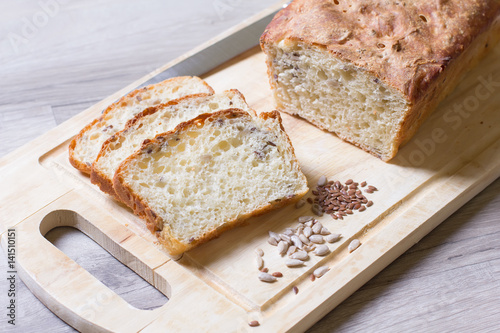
[[209, 175], [86, 145]]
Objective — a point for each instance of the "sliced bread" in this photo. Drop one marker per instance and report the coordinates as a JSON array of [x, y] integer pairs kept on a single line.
[[208, 175], [85, 147], [153, 121]]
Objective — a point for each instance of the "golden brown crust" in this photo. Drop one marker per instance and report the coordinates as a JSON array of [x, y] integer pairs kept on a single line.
[[407, 44], [86, 168], [154, 223]]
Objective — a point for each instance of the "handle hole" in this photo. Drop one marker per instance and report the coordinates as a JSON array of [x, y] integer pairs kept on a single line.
[[103, 266]]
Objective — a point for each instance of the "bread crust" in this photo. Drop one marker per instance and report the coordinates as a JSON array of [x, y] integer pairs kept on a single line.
[[404, 43], [87, 168], [155, 223], [419, 48]]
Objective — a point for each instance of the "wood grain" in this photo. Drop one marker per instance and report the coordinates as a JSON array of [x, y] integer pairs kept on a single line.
[[463, 253]]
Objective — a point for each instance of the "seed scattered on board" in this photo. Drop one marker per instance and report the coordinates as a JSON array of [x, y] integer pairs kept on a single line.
[[331, 197], [295, 244], [353, 245], [254, 323], [339, 200], [320, 271], [266, 277]]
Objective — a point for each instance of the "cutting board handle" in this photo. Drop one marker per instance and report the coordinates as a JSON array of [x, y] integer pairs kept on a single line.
[[65, 287], [88, 305]]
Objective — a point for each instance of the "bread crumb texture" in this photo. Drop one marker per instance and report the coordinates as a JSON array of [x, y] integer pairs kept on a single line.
[[213, 171], [165, 118]]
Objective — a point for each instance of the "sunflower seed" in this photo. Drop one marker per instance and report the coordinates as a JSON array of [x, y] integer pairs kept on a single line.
[[354, 245], [291, 250], [316, 228], [285, 238], [301, 255], [322, 250], [288, 232], [260, 262], [294, 262], [317, 210], [308, 232], [309, 247], [304, 239], [332, 238], [282, 247], [322, 180], [309, 223], [272, 241], [304, 219], [320, 271], [324, 231], [259, 252], [266, 277], [318, 239], [296, 241], [300, 203], [274, 235]]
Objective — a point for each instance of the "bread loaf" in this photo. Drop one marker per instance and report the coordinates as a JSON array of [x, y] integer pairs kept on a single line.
[[85, 147], [372, 71], [208, 175], [153, 121]]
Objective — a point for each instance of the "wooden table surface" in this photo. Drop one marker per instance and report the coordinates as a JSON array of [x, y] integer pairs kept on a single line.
[[58, 57]]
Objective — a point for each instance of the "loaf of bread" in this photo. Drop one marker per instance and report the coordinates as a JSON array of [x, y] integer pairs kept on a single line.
[[85, 147], [153, 121], [208, 175], [372, 71]]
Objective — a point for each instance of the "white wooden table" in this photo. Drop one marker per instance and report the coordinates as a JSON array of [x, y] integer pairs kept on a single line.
[[58, 57]]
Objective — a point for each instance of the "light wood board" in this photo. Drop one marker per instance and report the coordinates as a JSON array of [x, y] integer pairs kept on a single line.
[[216, 285]]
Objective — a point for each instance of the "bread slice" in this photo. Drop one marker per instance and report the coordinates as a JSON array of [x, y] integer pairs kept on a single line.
[[153, 121], [372, 71], [210, 174], [84, 148]]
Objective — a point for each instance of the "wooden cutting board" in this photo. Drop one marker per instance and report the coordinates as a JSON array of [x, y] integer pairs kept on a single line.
[[215, 287]]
